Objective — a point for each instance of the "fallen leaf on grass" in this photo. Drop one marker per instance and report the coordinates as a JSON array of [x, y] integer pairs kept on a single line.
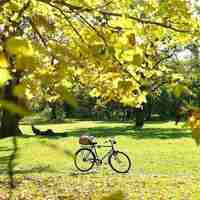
[[119, 195]]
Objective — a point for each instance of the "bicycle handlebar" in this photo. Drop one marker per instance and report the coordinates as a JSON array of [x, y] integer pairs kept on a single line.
[[112, 141]]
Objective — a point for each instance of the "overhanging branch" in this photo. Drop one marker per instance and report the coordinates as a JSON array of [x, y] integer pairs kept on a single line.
[[68, 20], [103, 12], [34, 27], [2, 2], [144, 21]]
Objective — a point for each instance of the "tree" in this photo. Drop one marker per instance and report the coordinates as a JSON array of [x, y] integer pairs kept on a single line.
[[114, 49]]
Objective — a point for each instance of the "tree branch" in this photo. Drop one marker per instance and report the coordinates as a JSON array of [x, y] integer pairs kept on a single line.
[[68, 20], [93, 28], [23, 9], [144, 21], [37, 32], [2, 2], [159, 85], [163, 59]]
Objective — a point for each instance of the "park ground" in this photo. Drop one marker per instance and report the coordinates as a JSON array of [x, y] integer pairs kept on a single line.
[[165, 163]]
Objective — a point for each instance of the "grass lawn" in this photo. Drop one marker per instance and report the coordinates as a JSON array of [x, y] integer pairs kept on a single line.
[[165, 163]]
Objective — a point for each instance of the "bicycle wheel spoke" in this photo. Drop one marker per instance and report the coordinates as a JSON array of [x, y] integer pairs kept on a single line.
[[120, 162], [84, 159]]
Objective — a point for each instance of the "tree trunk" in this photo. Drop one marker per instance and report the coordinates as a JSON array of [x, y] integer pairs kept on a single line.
[[9, 124], [149, 111], [139, 118], [53, 111]]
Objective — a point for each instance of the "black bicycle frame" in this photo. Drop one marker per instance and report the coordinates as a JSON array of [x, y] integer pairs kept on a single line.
[[110, 152]]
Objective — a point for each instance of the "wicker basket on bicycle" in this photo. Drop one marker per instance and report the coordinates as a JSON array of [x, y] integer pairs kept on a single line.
[[86, 140]]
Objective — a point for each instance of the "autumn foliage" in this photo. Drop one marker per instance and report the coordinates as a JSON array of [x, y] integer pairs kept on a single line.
[[194, 123]]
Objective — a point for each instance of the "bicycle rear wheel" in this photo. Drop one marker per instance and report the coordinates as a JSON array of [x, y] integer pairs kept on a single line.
[[119, 162], [84, 159]]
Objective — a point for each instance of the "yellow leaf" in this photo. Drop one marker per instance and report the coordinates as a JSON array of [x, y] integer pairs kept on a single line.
[[25, 62], [29, 94], [194, 123], [4, 76], [95, 92], [115, 196], [128, 101], [184, 39], [3, 61], [20, 90], [19, 46]]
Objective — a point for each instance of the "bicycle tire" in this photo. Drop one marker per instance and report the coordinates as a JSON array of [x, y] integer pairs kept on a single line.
[[113, 155], [90, 153]]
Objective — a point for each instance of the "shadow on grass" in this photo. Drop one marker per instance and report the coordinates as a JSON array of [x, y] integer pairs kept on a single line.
[[4, 160], [36, 169], [41, 121], [97, 131], [103, 131], [56, 135], [146, 133], [161, 133], [8, 165], [124, 129]]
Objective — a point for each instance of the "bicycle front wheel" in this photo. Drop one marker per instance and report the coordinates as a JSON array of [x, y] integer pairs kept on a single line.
[[84, 159], [119, 162]]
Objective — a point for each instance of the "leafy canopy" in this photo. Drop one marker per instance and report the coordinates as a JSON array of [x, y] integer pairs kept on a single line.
[[115, 50]]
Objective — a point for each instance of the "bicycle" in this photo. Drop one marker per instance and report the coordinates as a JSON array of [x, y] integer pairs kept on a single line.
[[87, 157]]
